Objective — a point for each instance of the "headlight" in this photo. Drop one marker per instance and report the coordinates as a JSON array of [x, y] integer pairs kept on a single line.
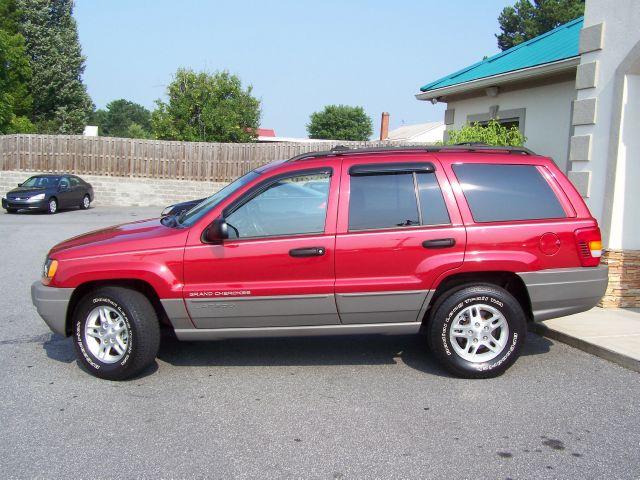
[[167, 211], [49, 269], [36, 198]]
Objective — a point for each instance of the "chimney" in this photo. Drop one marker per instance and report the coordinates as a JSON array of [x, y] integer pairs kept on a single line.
[[384, 126]]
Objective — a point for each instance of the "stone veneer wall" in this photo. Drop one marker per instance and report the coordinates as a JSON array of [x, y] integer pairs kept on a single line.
[[129, 191], [624, 279]]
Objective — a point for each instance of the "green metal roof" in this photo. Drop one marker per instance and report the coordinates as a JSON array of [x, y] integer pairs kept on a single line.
[[557, 44]]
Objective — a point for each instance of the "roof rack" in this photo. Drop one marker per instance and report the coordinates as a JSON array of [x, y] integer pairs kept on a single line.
[[460, 147]]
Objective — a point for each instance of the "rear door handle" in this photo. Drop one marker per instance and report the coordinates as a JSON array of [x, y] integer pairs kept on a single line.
[[439, 243], [307, 252]]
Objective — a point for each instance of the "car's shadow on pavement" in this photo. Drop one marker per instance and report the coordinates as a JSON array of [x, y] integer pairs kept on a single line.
[[304, 351], [295, 351]]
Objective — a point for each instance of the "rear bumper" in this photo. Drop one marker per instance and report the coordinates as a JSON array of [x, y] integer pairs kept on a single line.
[[52, 304], [23, 205], [565, 291]]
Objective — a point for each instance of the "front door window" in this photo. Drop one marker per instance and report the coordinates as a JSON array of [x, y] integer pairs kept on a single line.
[[295, 205]]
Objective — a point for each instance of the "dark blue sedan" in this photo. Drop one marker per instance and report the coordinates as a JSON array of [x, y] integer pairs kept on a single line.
[[49, 193]]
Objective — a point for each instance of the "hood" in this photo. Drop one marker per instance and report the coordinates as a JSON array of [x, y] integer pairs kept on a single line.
[[25, 191], [142, 235]]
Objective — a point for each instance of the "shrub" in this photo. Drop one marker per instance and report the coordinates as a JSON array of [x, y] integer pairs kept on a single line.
[[493, 133]]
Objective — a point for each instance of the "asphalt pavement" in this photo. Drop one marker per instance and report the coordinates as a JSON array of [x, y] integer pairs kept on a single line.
[[334, 408]]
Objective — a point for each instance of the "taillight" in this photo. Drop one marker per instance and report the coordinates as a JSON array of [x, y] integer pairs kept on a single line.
[[589, 244]]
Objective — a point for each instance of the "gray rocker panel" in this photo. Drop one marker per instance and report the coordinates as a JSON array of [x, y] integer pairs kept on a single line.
[[305, 331], [565, 291]]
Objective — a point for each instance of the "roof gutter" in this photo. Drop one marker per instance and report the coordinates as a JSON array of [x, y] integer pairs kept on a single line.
[[545, 69]]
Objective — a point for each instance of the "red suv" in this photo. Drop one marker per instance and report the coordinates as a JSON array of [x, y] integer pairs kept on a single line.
[[465, 244]]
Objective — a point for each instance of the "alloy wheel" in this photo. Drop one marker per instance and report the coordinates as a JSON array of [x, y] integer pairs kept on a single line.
[[479, 333], [106, 334]]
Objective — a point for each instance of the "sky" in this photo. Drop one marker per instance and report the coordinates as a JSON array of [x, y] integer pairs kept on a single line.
[[298, 55]]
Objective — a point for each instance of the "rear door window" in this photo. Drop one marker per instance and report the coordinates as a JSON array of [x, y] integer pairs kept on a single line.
[[507, 192], [394, 200]]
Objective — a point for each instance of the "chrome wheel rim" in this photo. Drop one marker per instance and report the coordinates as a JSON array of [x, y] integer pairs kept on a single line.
[[106, 334], [53, 206], [86, 202], [479, 333]]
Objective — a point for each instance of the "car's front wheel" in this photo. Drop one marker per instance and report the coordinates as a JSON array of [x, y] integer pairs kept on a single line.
[[116, 333], [52, 206], [11, 210], [477, 331]]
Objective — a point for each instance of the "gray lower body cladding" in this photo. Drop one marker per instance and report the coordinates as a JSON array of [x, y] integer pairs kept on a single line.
[[565, 291], [52, 304], [325, 314]]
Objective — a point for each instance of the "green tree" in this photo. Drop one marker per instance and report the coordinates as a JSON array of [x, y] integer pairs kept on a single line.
[[340, 122], [526, 20], [118, 118], [15, 73], [60, 100], [493, 133], [206, 107]]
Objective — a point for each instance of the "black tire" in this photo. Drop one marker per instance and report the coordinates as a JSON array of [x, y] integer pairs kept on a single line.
[[446, 310], [51, 209], [84, 204], [143, 327], [12, 210]]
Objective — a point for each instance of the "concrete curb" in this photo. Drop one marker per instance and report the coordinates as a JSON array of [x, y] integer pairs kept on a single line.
[[580, 344]]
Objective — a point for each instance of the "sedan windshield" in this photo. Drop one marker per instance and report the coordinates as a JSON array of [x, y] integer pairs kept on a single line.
[[41, 182], [196, 213]]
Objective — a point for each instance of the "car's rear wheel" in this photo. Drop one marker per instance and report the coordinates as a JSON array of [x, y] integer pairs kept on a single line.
[[52, 205], [86, 202], [477, 331], [116, 333]]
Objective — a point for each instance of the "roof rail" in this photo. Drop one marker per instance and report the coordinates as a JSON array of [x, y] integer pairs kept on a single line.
[[461, 147]]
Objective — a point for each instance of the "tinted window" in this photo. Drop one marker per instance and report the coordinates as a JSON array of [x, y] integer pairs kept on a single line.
[[382, 201], [290, 206], [432, 206], [64, 182], [74, 181], [507, 192]]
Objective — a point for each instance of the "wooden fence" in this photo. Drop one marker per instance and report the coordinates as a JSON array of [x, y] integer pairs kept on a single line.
[[126, 157]]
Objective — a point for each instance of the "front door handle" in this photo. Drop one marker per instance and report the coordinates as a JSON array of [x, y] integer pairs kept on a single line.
[[439, 243], [307, 252]]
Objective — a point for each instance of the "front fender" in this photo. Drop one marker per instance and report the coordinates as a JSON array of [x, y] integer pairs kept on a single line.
[[162, 269]]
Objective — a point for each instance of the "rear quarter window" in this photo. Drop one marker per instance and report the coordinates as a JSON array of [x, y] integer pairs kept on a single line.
[[507, 192]]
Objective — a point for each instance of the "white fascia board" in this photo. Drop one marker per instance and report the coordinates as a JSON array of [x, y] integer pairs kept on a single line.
[[496, 80]]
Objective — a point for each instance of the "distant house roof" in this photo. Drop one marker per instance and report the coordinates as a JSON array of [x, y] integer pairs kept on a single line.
[[554, 46], [412, 132], [266, 132]]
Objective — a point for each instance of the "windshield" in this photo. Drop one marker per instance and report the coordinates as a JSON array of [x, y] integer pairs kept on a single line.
[[196, 213], [41, 182]]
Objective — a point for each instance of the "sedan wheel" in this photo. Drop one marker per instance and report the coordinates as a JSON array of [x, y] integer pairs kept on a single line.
[[53, 206]]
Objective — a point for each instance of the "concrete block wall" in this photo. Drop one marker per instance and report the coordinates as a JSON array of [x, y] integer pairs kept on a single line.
[[129, 191]]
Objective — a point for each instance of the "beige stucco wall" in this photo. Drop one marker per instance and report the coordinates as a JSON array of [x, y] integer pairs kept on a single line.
[[606, 148], [547, 123]]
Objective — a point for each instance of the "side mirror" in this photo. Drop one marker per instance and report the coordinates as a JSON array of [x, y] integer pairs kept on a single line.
[[216, 233]]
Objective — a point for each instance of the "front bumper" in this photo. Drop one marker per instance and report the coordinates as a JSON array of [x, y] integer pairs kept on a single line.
[[565, 291], [8, 203], [52, 304]]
